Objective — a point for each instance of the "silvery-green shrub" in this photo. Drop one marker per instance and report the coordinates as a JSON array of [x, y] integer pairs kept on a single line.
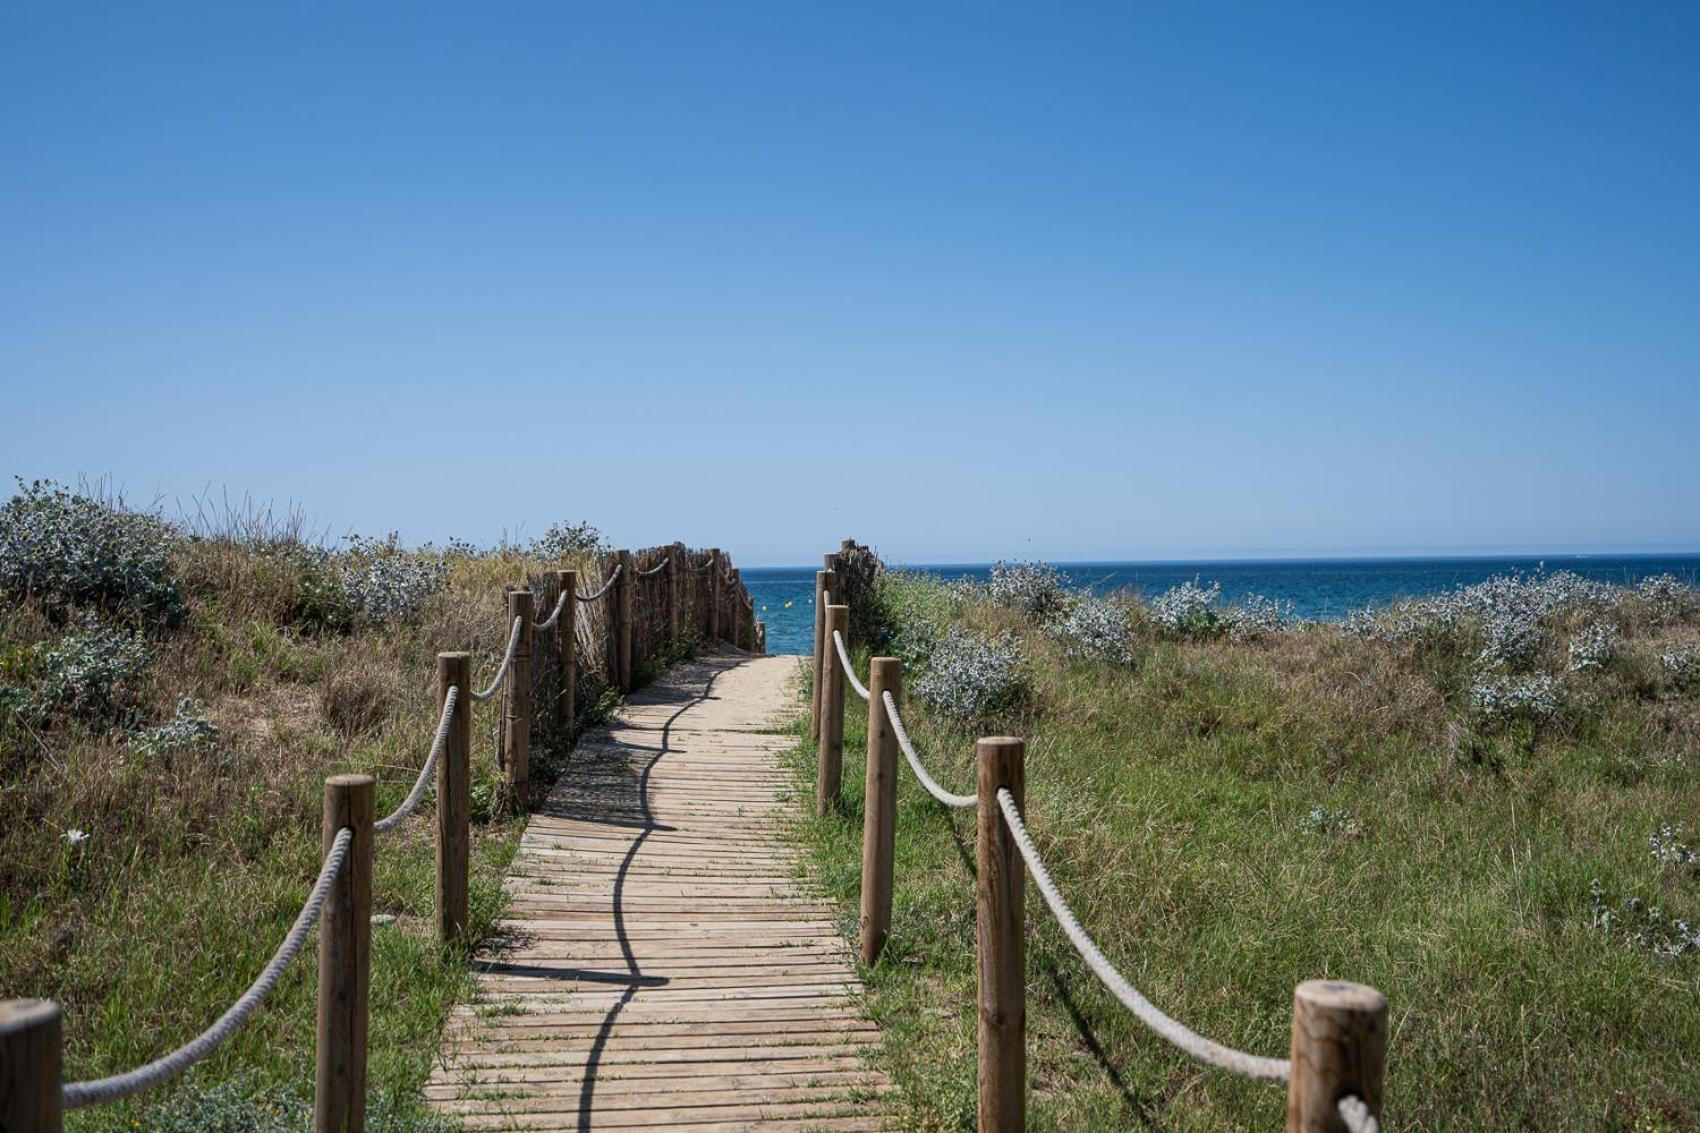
[[88, 670], [1682, 665], [1641, 925], [1667, 596], [187, 730], [1499, 699], [1036, 589], [1592, 647], [1255, 616], [1192, 610], [385, 581], [971, 679], [1094, 629], [76, 550]]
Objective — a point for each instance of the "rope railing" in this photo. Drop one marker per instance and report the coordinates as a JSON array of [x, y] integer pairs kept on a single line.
[[1355, 1115], [548, 623], [607, 585], [32, 1093], [1176, 1033], [400, 814], [915, 765], [99, 1090], [1339, 1029], [507, 661], [849, 669]]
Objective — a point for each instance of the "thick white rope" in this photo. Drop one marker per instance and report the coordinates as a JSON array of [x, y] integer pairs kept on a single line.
[[656, 569], [101, 1090], [849, 669], [555, 614], [1201, 1048], [508, 659], [398, 816], [1356, 1115], [927, 781], [606, 586]]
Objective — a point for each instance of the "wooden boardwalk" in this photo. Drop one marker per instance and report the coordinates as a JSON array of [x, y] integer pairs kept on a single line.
[[662, 967]]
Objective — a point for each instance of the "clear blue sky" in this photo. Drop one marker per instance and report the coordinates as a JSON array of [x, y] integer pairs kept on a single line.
[[962, 281]]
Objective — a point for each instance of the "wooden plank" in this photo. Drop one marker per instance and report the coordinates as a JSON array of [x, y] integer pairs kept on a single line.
[[667, 965]]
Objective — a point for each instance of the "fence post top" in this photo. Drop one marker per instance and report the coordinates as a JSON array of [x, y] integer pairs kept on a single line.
[[355, 781], [453, 655], [18, 1015], [1340, 995], [990, 743]]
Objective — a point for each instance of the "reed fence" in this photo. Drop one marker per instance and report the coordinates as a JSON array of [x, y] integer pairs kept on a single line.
[[1335, 1067], [568, 636]]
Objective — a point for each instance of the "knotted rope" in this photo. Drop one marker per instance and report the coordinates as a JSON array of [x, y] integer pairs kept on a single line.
[[1201, 1048], [507, 660], [927, 781], [396, 817], [100, 1090]]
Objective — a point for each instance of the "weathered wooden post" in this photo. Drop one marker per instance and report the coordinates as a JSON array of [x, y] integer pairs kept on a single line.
[[32, 1053], [674, 555], [825, 581], [829, 774], [454, 800], [735, 631], [1339, 1049], [712, 589], [1001, 886], [567, 627], [879, 817], [761, 638], [516, 726], [623, 620], [345, 958]]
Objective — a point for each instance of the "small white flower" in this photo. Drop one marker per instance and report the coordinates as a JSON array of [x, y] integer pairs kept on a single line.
[[75, 836]]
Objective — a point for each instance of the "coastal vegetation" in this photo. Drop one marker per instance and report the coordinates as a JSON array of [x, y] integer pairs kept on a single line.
[[172, 696], [1481, 802]]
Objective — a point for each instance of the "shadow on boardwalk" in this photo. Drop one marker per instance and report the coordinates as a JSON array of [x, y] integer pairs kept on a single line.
[[661, 965]]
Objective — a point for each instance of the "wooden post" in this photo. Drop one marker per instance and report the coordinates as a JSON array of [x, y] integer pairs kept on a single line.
[[829, 773], [565, 708], [516, 726], [879, 817], [733, 581], [32, 1053], [674, 555], [454, 800], [713, 587], [825, 580], [623, 620], [1001, 884], [761, 638], [345, 955], [1339, 1047]]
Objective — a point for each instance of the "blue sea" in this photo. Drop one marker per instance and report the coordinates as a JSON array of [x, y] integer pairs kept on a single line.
[[1322, 589]]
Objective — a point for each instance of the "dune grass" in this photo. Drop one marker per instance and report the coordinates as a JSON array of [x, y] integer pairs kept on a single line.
[[143, 887], [1230, 817]]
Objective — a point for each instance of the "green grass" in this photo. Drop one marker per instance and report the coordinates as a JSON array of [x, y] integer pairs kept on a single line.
[[1168, 799], [196, 863]]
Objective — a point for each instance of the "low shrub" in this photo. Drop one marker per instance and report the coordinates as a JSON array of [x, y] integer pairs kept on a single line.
[[188, 730], [1036, 589], [71, 549], [385, 581], [972, 680], [1192, 610], [563, 542], [1095, 629], [1682, 666], [1592, 647], [1500, 699], [92, 671]]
